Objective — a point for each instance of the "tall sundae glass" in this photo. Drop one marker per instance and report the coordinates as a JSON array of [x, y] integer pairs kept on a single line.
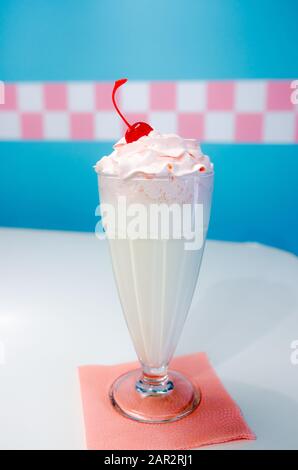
[[155, 195]]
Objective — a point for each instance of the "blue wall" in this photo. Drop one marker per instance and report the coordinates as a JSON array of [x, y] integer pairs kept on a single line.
[[147, 39], [52, 185]]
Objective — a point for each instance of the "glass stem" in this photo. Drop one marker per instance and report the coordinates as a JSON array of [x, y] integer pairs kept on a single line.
[[154, 382]]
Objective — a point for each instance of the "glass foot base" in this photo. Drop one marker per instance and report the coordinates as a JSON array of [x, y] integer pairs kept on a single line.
[[167, 401]]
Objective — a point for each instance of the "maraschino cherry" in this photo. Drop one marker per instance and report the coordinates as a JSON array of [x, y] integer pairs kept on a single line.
[[136, 130]]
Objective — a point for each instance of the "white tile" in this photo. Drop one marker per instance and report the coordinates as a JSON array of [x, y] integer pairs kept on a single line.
[[107, 126], [135, 97], [56, 125], [191, 96], [30, 97], [81, 97], [250, 96], [10, 128], [163, 121], [279, 127], [219, 126]]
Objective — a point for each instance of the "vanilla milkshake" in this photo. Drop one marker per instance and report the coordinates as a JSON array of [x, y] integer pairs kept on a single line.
[[150, 186]]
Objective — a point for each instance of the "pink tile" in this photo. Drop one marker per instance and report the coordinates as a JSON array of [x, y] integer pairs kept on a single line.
[[191, 125], [132, 118], [279, 95], [103, 96], [220, 96], [162, 96], [10, 97], [82, 126], [55, 96], [32, 126], [249, 127]]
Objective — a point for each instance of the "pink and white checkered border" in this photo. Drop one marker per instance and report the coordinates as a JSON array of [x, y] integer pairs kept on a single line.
[[258, 111]]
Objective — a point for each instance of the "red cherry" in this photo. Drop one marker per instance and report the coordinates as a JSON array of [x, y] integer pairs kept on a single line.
[[136, 130]]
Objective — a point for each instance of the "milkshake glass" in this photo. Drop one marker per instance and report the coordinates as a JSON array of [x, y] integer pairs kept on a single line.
[[156, 274]]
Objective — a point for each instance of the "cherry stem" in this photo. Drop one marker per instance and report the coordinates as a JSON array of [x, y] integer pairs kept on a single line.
[[117, 85]]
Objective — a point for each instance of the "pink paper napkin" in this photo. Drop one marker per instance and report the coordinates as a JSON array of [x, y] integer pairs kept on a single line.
[[217, 419]]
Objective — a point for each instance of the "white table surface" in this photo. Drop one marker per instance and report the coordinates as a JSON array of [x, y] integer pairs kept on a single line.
[[59, 309]]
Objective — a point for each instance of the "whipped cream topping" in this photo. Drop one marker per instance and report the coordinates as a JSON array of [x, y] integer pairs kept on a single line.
[[155, 155]]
